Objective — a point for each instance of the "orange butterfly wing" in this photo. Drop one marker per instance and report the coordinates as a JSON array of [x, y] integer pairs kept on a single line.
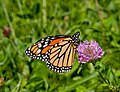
[[55, 41], [57, 51], [40, 50], [62, 56]]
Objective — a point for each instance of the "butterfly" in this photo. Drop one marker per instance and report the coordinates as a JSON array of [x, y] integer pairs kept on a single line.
[[57, 51]]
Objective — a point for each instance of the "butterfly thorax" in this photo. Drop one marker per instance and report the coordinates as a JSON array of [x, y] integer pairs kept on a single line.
[[75, 39]]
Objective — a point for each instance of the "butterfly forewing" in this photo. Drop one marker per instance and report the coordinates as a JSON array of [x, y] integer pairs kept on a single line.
[[35, 51], [40, 50]]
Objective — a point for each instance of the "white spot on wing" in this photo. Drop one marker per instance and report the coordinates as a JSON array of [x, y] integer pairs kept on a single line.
[[55, 44], [42, 41], [45, 45], [52, 38], [46, 42], [28, 54], [39, 45], [47, 39], [39, 50], [29, 48], [37, 57]]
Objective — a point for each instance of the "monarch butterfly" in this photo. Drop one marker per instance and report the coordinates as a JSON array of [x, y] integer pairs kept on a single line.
[[57, 51]]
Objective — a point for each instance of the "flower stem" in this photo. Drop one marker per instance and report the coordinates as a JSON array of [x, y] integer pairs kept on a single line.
[[107, 82], [102, 77]]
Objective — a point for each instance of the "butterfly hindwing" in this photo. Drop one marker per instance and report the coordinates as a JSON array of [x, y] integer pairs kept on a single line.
[[62, 56]]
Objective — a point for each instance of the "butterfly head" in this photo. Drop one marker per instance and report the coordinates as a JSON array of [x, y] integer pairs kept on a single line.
[[75, 38]]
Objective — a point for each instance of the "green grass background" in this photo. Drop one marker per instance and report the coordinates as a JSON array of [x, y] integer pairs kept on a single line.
[[31, 20]]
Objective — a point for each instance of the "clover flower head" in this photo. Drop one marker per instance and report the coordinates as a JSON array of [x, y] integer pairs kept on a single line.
[[89, 51]]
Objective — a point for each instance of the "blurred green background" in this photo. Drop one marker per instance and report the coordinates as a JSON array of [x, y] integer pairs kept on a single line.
[[23, 22]]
